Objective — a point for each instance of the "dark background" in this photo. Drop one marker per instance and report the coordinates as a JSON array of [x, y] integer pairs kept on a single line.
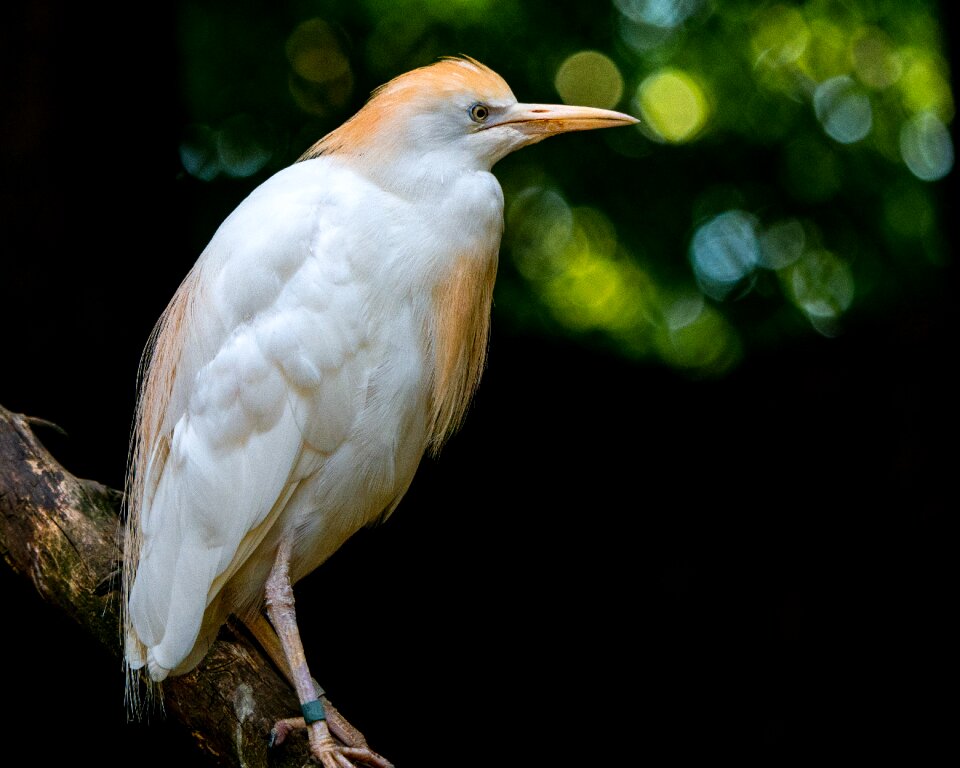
[[615, 560]]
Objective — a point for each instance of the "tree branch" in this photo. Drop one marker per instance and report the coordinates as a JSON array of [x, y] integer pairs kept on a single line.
[[61, 533]]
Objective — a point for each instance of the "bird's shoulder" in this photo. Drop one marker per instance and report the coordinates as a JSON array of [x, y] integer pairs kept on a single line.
[[307, 209], [272, 302]]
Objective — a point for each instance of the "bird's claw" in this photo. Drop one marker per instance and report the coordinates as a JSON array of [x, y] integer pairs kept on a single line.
[[282, 728], [330, 752], [334, 755]]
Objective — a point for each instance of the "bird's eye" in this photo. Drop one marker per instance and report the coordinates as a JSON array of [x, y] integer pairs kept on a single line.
[[479, 112]]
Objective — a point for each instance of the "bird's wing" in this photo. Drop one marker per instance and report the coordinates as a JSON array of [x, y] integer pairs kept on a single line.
[[263, 343]]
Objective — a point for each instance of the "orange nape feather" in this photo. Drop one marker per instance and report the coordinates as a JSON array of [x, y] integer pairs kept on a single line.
[[407, 92]]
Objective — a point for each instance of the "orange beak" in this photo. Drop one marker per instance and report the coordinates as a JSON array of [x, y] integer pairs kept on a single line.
[[542, 120]]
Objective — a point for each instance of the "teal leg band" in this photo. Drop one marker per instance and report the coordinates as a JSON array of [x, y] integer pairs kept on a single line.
[[313, 711]]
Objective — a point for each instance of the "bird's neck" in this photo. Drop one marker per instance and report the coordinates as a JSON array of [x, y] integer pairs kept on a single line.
[[459, 209], [392, 161]]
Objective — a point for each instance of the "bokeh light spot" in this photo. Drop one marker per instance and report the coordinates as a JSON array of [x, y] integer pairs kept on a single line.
[[876, 62], [198, 152], [320, 73], [821, 285], [843, 109], [591, 79], [925, 85], [827, 54], [723, 251], [683, 311], [540, 225], [589, 289], [780, 37], [647, 24], [782, 244], [589, 293], [598, 231], [926, 147], [665, 14], [673, 105], [242, 146], [642, 37], [239, 148], [596, 287], [314, 53], [579, 271], [703, 341]]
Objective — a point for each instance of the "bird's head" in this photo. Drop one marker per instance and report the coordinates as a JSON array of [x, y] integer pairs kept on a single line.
[[455, 112]]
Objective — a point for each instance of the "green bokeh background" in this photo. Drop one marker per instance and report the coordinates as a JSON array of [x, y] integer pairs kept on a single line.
[[600, 243]]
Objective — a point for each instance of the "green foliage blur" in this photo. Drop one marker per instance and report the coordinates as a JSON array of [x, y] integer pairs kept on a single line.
[[786, 178]]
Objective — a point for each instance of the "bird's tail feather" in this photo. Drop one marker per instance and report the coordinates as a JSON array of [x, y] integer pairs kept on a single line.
[[145, 457]]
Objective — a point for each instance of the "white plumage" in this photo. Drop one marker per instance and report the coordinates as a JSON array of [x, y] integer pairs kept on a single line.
[[303, 384], [332, 331]]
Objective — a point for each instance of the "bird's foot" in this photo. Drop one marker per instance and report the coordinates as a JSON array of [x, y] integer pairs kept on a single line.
[[335, 755], [346, 750]]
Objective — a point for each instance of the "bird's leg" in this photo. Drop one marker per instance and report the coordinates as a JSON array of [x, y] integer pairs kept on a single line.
[[339, 726], [280, 609]]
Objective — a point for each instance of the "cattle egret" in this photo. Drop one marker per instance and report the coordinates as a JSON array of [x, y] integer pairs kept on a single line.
[[332, 332]]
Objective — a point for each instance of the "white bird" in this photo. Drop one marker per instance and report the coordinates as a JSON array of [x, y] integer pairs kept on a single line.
[[332, 332]]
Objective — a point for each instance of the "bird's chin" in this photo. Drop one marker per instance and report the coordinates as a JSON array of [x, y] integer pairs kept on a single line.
[[508, 138]]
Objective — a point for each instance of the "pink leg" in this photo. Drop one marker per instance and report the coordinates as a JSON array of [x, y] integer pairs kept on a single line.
[[280, 609], [339, 726]]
